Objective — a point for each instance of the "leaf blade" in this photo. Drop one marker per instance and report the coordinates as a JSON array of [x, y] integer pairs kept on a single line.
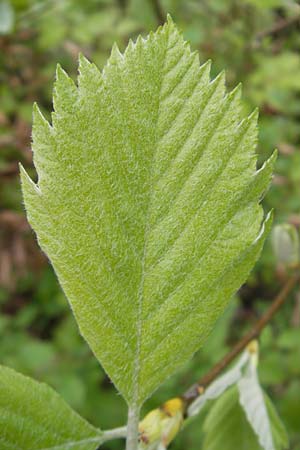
[[144, 187], [227, 426], [34, 416]]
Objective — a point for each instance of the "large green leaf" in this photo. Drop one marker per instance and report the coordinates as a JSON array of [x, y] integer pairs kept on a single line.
[[34, 417], [227, 427], [147, 204]]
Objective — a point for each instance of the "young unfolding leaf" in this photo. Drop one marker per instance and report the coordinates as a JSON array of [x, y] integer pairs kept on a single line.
[[286, 246], [34, 417], [260, 412], [220, 385], [147, 204], [227, 427]]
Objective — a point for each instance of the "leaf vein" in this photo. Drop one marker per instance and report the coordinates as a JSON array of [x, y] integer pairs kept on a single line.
[[211, 188]]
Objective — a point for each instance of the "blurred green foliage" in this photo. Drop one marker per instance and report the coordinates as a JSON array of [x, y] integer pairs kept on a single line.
[[258, 43]]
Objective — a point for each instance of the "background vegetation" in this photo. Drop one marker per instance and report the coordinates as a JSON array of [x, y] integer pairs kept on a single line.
[[258, 43]]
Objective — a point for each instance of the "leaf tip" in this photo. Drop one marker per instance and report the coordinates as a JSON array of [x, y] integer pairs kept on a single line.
[[236, 92], [26, 182], [36, 114], [65, 92], [115, 55], [238, 89], [274, 155], [83, 62], [59, 71], [254, 115], [207, 64], [37, 117], [62, 78], [220, 78], [170, 27], [269, 163], [21, 169], [170, 21]]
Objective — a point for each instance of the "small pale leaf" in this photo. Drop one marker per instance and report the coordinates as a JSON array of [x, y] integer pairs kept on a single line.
[[34, 417], [220, 385], [253, 401], [147, 204]]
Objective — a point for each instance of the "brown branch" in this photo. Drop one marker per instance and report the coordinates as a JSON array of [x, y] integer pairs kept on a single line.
[[10, 170], [194, 391], [280, 26]]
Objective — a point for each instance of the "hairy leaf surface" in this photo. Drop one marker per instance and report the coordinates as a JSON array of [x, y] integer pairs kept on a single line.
[[147, 204], [34, 417]]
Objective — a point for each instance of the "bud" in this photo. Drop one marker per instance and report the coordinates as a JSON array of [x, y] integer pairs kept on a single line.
[[173, 410], [285, 241], [161, 425], [253, 350]]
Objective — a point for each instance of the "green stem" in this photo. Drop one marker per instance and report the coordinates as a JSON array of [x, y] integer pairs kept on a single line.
[[115, 433], [132, 428]]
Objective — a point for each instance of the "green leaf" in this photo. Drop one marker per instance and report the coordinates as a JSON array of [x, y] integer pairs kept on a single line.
[[147, 204], [279, 433], [34, 417], [260, 412], [227, 427]]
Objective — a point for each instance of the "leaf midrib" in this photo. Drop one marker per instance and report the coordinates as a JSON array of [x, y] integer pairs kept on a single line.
[[136, 381]]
